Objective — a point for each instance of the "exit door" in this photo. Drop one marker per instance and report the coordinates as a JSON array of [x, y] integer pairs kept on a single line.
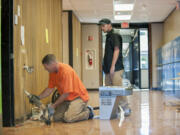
[[140, 57]]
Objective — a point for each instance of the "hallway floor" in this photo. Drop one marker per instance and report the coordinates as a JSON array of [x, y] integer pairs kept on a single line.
[[150, 116]]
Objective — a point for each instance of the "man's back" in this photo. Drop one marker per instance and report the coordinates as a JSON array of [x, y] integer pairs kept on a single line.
[[67, 81]]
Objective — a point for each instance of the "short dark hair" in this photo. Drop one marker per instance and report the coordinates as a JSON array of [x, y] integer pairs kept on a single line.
[[48, 59], [104, 21]]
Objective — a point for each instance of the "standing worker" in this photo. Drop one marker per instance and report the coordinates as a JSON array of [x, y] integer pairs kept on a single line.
[[71, 106], [113, 60]]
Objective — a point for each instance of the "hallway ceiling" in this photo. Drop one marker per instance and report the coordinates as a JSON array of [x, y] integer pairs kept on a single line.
[[91, 11]]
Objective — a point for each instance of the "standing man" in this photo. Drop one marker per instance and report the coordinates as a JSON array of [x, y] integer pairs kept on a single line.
[[113, 60], [71, 106]]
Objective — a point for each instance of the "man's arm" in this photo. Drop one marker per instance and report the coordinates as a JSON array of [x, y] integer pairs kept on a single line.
[[114, 60], [60, 100], [46, 93]]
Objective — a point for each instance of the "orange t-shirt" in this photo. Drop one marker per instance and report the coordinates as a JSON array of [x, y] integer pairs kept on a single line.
[[67, 81]]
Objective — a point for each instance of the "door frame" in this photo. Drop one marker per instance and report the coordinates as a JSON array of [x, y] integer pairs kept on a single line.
[[7, 63]]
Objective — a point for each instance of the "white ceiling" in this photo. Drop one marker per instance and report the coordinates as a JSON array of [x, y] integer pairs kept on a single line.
[[91, 11]]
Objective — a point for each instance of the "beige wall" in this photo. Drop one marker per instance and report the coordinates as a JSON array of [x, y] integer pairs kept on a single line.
[[90, 76], [76, 25], [171, 27], [65, 33], [157, 40], [42, 21]]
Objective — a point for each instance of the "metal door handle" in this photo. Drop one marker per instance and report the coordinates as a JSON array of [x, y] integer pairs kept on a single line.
[[29, 69]]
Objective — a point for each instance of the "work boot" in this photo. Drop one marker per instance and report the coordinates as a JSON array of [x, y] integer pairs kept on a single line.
[[91, 113]]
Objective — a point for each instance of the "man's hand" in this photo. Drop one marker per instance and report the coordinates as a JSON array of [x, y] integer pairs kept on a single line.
[[112, 72], [33, 99], [51, 110], [114, 60]]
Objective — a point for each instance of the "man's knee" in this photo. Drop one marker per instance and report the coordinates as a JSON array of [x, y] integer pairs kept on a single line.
[[67, 118]]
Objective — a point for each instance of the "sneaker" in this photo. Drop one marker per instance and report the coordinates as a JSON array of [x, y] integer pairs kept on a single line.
[[127, 111], [91, 114]]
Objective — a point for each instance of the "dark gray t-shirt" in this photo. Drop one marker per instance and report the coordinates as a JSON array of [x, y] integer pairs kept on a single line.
[[112, 39]]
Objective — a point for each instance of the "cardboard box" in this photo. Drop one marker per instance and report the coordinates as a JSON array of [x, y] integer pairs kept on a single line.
[[109, 100]]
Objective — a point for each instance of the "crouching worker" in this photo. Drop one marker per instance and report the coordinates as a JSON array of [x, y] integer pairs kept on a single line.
[[71, 106]]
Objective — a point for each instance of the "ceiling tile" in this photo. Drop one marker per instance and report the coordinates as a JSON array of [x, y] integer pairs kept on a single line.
[[144, 11]]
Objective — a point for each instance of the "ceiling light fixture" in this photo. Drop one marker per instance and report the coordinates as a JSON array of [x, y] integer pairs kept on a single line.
[[123, 7], [122, 17]]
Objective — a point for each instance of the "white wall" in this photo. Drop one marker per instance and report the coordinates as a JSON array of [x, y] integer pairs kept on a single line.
[[90, 76], [157, 41]]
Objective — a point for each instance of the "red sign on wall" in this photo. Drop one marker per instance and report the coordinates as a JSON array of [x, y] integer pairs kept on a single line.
[[90, 38], [125, 25]]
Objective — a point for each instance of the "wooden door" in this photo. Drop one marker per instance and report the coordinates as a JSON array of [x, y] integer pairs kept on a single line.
[[41, 20]]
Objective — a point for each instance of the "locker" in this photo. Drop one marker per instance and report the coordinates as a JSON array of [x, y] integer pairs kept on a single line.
[[159, 77], [176, 48], [176, 71], [168, 83]]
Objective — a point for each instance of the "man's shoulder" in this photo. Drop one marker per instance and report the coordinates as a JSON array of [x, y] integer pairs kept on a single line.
[[65, 66], [116, 33], [66, 69]]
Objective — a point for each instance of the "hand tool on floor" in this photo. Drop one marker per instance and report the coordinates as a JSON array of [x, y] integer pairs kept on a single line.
[[36, 101]]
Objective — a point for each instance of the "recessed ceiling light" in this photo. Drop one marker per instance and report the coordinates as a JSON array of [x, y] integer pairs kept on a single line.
[[123, 7], [122, 17]]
